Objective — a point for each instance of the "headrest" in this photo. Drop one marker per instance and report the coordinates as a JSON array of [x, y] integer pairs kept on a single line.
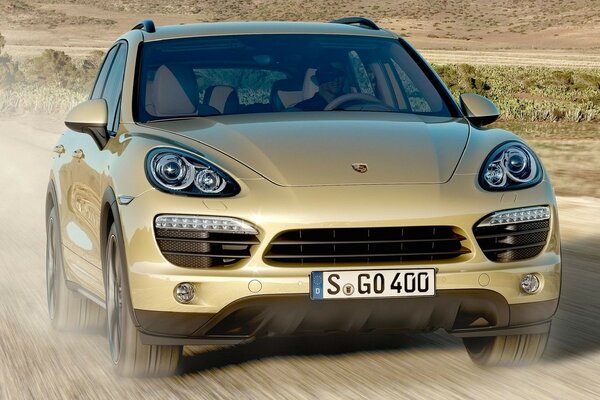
[[173, 92], [286, 93], [222, 98], [309, 88]]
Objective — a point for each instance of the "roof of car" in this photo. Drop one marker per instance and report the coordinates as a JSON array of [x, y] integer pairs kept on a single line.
[[245, 28]]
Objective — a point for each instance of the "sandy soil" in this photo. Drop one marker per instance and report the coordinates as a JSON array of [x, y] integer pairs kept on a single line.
[[548, 58], [551, 33], [40, 363], [538, 58], [571, 164]]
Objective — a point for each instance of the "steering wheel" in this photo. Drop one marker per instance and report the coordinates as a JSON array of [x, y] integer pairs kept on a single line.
[[374, 102]]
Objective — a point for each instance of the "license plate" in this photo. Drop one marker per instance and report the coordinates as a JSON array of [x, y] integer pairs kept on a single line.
[[372, 283]]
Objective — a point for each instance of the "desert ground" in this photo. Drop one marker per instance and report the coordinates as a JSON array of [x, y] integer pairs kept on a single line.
[[535, 32], [38, 362]]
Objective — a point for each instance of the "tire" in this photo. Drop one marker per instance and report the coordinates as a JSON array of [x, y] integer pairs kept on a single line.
[[67, 310], [515, 350], [129, 355]]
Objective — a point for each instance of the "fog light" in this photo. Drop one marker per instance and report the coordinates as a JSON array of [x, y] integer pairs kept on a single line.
[[530, 283], [184, 292]]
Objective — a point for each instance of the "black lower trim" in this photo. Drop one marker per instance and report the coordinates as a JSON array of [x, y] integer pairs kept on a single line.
[[170, 323], [529, 313], [525, 318], [284, 315], [297, 314], [516, 330], [190, 341], [466, 313]]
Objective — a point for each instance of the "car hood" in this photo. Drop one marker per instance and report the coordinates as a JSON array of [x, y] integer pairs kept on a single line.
[[320, 148]]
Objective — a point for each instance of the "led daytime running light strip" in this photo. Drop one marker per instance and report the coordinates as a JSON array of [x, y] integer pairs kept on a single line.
[[516, 216], [204, 223]]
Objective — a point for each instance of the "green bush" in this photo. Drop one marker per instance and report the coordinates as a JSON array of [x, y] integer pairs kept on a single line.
[[56, 68], [530, 93]]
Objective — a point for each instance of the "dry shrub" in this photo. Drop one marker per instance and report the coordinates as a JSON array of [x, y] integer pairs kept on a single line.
[[50, 83], [9, 70], [56, 68], [530, 93], [45, 99]]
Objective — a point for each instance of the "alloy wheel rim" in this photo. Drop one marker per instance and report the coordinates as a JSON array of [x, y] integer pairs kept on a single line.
[[51, 271], [114, 301]]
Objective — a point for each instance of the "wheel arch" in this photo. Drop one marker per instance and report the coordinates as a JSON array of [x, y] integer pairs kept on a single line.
[[110, 214]]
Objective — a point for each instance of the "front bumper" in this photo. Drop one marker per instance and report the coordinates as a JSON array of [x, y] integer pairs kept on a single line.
[[274, 209]]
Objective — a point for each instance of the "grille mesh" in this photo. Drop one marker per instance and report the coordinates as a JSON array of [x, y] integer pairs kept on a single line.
[[201, 249], [514, 242], [366, 245]]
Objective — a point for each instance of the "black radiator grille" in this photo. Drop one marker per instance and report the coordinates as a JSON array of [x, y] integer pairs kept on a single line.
[[201, 249], [366, 245], [513, 242]]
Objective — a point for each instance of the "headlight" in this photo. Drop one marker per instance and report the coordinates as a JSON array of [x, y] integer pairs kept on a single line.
[[175, 171], [512, 165]]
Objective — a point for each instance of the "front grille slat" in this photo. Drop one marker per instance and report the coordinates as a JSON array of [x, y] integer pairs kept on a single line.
[[202, 249], [512, 242], [215, 241], [516, 247], [333, 242], [463, 250], [221, 255], [518, 233], [366, 245]]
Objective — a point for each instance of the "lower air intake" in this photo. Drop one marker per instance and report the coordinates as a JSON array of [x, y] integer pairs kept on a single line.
[[203, 242], [512, 242]]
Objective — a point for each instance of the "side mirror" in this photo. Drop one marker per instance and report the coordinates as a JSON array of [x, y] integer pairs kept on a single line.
[[90, 117], [478, 110]]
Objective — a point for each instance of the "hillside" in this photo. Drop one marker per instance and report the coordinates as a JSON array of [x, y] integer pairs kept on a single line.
[[81, 25]]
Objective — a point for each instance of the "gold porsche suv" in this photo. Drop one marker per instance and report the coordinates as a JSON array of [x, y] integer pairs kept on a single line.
[[229, 181]]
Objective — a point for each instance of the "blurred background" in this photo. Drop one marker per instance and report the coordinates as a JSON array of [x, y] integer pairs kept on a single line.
[[537, 60]]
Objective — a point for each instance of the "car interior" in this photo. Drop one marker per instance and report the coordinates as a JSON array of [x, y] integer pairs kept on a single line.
[[215, 82]]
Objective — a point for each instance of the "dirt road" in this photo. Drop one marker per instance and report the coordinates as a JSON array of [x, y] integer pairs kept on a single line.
[[532, 58], [38, 363]]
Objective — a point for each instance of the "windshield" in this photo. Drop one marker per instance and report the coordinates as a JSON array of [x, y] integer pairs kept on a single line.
[[202, 76]]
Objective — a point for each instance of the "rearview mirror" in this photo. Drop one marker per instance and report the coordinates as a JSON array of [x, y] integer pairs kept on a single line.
[[90, 117], [478, 110]]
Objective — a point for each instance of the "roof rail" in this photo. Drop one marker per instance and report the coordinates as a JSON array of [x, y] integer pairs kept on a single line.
[[360, 21], [145, 25]]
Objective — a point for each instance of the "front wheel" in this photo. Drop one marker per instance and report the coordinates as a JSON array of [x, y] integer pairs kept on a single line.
[[513, 350], [129, 355]]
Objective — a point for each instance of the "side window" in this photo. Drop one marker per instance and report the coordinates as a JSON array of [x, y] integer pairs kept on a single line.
[[101, 79], [417, 100], [114, 84], [360, 73]]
